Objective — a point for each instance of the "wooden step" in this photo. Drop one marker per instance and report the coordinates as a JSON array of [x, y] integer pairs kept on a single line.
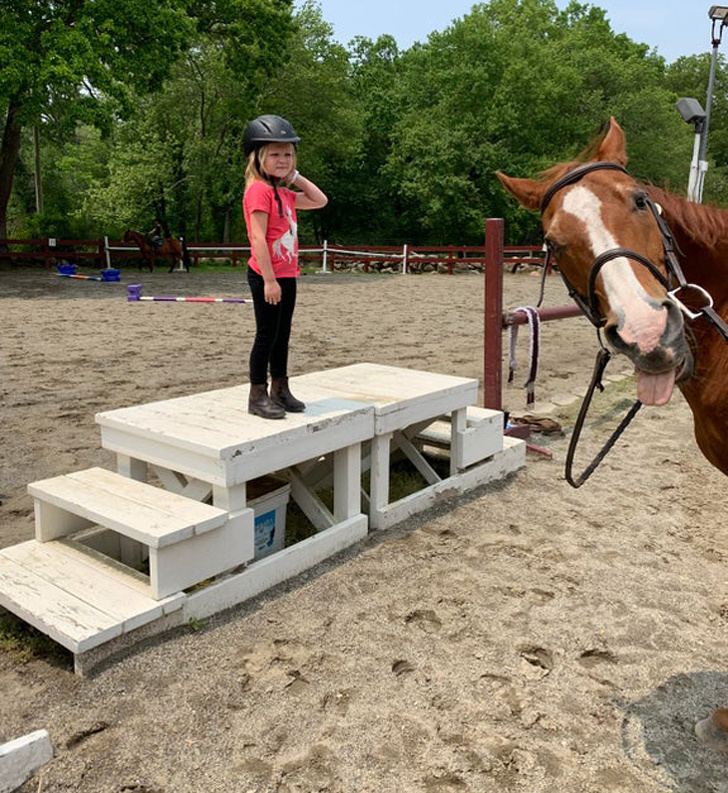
[[75, 595], [147, 514], [187, 541], [481, 438]]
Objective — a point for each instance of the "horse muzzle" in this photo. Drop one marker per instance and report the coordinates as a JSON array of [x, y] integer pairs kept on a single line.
[[659, 364]]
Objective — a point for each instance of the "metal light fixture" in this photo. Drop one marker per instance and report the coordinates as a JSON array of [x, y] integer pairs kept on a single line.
[[719, 18], [692, 112]]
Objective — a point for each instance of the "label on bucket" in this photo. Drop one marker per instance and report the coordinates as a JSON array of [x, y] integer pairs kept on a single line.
[[265, 531]]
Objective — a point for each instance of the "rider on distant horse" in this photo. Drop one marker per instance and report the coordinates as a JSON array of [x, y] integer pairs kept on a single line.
[[155, 237]]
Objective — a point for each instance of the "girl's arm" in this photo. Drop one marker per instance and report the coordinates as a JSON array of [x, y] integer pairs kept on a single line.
[[311, 197], [258, 228]]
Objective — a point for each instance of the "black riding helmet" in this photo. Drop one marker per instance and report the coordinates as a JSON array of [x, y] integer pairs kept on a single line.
[[268, 129]]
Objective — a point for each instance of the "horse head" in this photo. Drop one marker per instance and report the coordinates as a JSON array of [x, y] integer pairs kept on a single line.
[[602, 230]]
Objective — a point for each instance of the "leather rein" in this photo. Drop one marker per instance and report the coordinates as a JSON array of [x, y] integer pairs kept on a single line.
[[691, 299]]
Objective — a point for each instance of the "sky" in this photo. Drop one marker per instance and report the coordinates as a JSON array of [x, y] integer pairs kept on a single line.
[[672, 27]]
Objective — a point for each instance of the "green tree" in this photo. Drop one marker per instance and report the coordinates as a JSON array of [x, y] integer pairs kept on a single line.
[[688, 77], [85, 57], [67, 62], [312, 90], [518, 85]]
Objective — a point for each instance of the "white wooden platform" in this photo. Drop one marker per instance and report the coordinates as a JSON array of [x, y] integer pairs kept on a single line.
[[75, 595], [207, 447], [407, 405]]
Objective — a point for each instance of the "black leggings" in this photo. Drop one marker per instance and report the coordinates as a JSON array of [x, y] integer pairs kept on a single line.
[[272, 329]]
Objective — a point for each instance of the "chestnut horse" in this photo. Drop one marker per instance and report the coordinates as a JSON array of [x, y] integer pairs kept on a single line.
[[607, 232], [170, 247], [621, 247]]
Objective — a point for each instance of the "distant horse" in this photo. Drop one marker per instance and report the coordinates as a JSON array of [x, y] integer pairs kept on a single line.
[[642, 263], [170, 247]]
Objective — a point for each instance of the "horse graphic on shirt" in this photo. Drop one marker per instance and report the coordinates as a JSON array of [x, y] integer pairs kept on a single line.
[[285, 246]]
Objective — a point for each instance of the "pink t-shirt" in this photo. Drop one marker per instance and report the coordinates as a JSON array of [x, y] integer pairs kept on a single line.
[[282, 233]]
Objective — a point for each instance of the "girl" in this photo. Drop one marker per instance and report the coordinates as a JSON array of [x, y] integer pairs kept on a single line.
[[270, 218]]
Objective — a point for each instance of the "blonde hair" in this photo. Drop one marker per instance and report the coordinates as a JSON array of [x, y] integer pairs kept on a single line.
[[254, 168]]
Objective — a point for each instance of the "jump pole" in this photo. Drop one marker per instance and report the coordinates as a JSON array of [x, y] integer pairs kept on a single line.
[[81, 277], [495, 321], [134, 295]]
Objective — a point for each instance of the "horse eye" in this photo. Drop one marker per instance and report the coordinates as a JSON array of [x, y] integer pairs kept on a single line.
[[554, 246], [640, 200]]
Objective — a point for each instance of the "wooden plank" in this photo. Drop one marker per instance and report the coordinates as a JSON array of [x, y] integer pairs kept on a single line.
[[400, 396], [22, 757], [481, 438], [221, 445], [70, 567], [184, 564], [148, 514], [430, 475], [347, 482], [458, 421], [311, 505], [99, 581], [274, 569], [496, 467], [379, 477], [217, 424], [69, 621]]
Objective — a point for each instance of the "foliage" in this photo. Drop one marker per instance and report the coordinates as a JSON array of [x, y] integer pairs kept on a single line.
[[143, 118], [312, 89], [67, 62]]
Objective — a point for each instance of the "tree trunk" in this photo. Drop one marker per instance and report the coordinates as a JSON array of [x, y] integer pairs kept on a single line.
[[37, 175], [9, 154], [226, 227]]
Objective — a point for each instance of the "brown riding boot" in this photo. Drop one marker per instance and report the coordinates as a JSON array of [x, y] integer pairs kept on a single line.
[[260, 404], [280, 394]]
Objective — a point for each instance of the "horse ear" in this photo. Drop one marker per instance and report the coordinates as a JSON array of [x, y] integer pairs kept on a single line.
[[613, 147], [529, 192]]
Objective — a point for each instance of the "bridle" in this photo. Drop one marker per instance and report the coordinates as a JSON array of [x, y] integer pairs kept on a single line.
[[691, 299], [684, 295]]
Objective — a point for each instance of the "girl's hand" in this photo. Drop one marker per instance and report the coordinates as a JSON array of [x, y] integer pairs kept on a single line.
[[292, 176], [272, 291]]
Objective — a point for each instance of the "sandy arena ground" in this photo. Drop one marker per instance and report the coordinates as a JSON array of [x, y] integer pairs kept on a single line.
[[525, 637]]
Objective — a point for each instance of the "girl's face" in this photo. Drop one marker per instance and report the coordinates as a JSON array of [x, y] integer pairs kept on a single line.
[[278, 159]]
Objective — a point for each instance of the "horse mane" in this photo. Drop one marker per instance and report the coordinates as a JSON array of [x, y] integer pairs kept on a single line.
[[585, 155], [705, 225]]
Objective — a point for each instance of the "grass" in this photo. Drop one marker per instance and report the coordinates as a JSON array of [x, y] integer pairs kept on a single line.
[[22, 643]]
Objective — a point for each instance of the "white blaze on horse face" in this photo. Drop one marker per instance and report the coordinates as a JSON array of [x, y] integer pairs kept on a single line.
[[642, 320]]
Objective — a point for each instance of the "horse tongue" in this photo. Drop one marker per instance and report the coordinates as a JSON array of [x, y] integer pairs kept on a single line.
[[655, 389]]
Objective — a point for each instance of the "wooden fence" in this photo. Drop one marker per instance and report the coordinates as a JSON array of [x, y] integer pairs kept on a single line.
[[103, 253]]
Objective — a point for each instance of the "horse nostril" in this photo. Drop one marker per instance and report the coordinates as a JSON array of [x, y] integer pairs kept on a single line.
[[611, 331]]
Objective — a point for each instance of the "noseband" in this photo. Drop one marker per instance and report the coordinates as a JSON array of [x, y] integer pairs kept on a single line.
[[684, 295]]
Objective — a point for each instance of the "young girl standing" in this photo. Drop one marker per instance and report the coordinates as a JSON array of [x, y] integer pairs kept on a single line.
[[270, 218]]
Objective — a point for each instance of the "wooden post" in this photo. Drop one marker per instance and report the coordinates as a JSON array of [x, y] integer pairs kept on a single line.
[[493, 314]]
